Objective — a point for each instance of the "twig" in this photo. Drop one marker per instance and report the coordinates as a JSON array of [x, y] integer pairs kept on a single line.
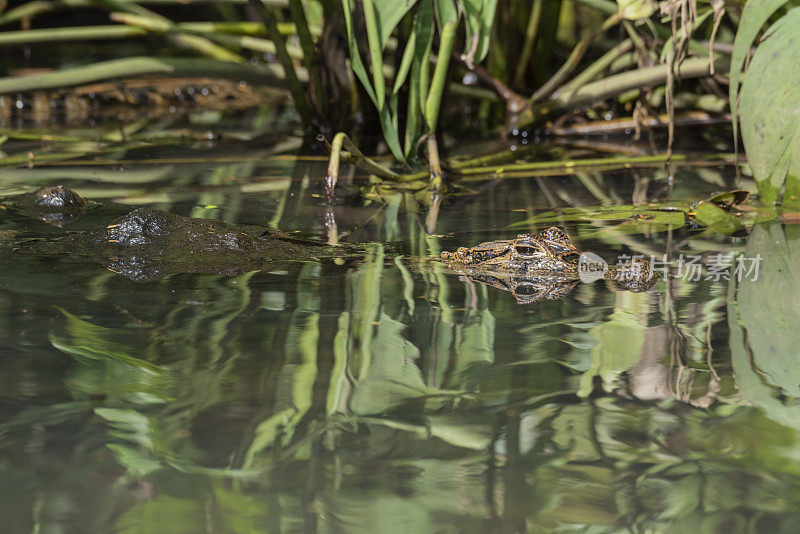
[[595, 69], [573, 60], [615, 85], [602, 127], [514, 101], [154, 20]]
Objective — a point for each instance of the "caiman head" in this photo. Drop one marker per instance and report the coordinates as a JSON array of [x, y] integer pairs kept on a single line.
[[550, 253], [539, 267]]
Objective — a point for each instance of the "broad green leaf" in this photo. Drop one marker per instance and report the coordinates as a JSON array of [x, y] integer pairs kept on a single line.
[[389, 14], [475, 343], [770, 112], [424, 25], [135, 461], [392, 376], [130, 425], [716, 218], [766, 307], [755, 14]]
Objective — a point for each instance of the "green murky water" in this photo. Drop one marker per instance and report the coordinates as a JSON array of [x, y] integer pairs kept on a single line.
[[380, 396]]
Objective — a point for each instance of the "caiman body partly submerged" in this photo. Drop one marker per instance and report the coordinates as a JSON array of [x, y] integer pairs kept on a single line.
[[147, 244]]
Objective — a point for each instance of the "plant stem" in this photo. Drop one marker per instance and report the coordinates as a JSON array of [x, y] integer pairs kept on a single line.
[[434, 164], [150, 20], [79, 33], [434, 100], [601, 127], [615, 85], [139, 66], [573, 60], [340, 140], [620, 162], [530, 40], [30, 10], [303, 33], [607, 6], [267, 16], [595, 69], [561, 74]]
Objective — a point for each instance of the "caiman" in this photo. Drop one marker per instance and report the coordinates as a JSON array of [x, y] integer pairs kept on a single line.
[[545, 266], [148, 244]]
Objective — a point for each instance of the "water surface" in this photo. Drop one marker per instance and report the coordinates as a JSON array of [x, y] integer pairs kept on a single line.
[[381, 394]]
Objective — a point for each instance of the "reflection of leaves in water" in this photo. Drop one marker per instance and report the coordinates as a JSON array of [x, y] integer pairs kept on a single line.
[[203, 508], [392, 376], [763, 323], [92, 341], [297, 376], [619, 342]]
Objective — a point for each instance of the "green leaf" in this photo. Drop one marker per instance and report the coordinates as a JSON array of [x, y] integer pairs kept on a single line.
[[388, 128], [423, 28], [434, 101], [405, 63], [716, 218], [754, 16], [479, 19], [770, 112], [767, 304], [446, 12], [375, 53], [355, 58], [671, 214], [389, 14], [461, 431]]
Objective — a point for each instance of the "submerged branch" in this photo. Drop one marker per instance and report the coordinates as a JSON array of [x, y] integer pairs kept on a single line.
[[616, 162]]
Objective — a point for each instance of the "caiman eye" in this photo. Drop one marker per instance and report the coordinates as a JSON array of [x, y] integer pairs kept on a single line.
[[525, 289], [526, 251]]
